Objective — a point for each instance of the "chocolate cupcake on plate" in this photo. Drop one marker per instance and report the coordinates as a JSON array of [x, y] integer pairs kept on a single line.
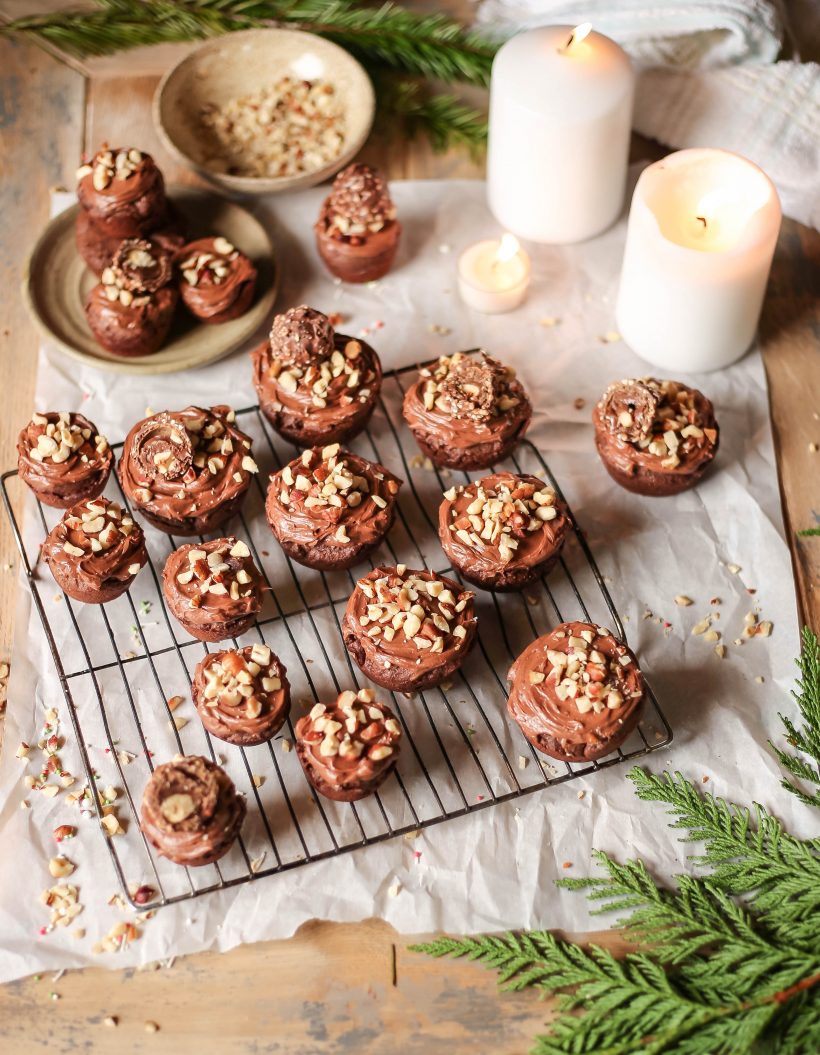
[[63, 458], [191, 811], [576, 693], [357, 233], [408, 630], [122, 192], [217, 280], [655, 437], [348, 748], [187, 471], [315, 386], [95, 552], [213, 588], [329, 508], [504, 531], [242, 695], [467, 411], [98, 248], [131, 309]]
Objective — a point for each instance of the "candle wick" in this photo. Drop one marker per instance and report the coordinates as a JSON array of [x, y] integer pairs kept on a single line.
[[703, 221], [568, 45]]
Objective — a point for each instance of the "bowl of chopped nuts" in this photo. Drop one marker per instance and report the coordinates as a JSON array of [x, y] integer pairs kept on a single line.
[[265, 110]]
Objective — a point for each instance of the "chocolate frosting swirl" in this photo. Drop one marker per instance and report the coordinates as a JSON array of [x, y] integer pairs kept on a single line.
[[117, 178], [243, 695], [348, 747], [328, 495], [215, 275], [502, 521], [412, 618], [212, 584], [181, 465], [95, 545], [655, 426], [577, 687], [191, 811], [140, 265], [63, 458]]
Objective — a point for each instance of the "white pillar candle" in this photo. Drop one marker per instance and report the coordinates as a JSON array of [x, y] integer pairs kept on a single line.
[[699, 245], [560, 117], [493, 276]]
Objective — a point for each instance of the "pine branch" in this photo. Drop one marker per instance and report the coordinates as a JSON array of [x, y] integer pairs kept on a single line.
[[808, 532], [409, 108], [807, 738]]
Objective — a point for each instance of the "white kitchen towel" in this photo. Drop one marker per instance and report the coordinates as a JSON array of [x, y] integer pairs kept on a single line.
[[708, 76]]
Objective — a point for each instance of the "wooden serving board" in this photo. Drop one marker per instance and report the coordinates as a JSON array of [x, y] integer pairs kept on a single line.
[[341, 988]]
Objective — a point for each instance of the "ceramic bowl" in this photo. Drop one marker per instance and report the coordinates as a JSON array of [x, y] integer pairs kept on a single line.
[[243, 62]]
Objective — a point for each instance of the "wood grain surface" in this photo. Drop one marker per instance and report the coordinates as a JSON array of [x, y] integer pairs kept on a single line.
[[332, 988]]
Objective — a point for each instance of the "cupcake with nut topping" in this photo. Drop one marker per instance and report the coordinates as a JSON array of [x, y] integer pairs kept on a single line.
[[213, 589], [467, 411], [329, 508], [131, 309], [122, 192], [63, 458], [357, 233], [408, 630], [655, 437], [503, 532], [348, 748], [95, 552], [187, 471], [576, 693], [315, 386], [217, 280], [242, 695]]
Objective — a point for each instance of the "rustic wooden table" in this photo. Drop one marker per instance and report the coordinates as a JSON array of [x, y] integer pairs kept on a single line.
[[333, 987]]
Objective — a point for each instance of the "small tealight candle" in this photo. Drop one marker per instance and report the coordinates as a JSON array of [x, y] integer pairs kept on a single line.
[[493, 276], [702, 231]]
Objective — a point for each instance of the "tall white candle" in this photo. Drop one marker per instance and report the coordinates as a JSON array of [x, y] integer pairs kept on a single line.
[[701, 236], [560, 116]]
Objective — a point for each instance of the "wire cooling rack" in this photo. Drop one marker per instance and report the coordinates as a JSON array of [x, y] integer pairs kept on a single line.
[[120, 664]]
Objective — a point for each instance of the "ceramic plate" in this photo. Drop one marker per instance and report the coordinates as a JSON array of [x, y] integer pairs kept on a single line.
[[56, 284]]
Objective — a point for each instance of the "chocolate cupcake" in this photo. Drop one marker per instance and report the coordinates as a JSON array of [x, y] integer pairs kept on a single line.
[[217, 280], [63, 458], [95, 552], [504, 531], [242, 695], [187, 471], [655, 437], [122, 192], [350, 747], [315, 386], [213, 588], [191, 811], [98, 248], [329, 508], [408, 630], [467, 412], [576, 692], [357, 233], [131, 309]]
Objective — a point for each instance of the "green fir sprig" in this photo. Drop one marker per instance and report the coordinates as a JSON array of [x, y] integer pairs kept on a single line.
[[384, 38], [726, 963], [809, 532], [805, 766]]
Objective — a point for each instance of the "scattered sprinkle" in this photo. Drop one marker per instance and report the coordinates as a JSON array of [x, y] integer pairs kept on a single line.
[[610, 337], [682, 601], [523, 761], [548, 321]]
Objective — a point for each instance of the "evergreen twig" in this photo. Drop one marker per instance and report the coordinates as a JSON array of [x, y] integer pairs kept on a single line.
[[809, 532], [807, 738]]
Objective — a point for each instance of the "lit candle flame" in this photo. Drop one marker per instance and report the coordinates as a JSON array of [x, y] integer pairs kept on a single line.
[[507, 248], [577, 35]]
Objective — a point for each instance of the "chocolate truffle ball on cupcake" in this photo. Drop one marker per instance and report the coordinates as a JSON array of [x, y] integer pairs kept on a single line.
[[131, 309], [329, 508], [95, 552], [357, 233], [191, 811], [213, 588], [242, 695], [63, 458], [576, 693], [504, 531], [348, 748], [217, 280], [122, 192], [187, 471], [315, 386], [408, 630], [467, 411], [655, 437]]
